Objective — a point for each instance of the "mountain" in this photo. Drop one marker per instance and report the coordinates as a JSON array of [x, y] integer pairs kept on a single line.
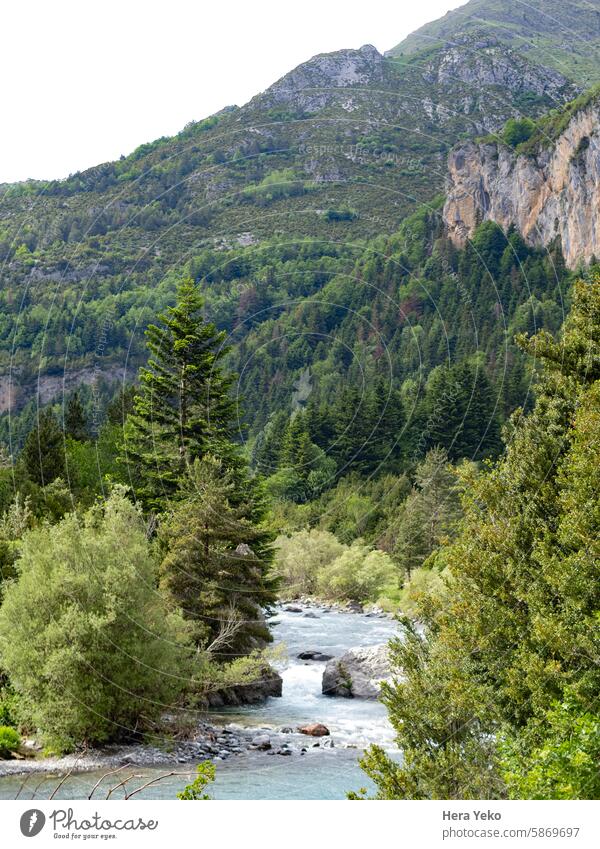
[[338, 152], [560, 35], [548, 187]]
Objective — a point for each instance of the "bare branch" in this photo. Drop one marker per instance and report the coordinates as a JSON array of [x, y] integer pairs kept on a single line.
[[121, 783], [155, 781], [228, 628], [106, 774]]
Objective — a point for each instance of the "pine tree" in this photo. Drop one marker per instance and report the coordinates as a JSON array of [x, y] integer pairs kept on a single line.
[[76, 424], [44, 451], [183, 409], [506, 669], [216, 568]]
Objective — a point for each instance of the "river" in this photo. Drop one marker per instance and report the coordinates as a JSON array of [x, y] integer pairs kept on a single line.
[[322, 773]]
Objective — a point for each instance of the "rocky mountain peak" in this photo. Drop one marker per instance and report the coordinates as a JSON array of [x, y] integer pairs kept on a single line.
[[342, 69]]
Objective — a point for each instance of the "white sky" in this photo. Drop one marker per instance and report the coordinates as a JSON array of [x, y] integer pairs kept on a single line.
[[86, 81]]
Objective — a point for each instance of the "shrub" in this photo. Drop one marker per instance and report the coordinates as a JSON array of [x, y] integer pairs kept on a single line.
[[358, 574], [194, 792], [10, 740], [301, 557], [516, 131], [84, 637]]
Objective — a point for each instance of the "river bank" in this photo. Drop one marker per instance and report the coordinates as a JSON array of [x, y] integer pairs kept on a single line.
[[234, 737]]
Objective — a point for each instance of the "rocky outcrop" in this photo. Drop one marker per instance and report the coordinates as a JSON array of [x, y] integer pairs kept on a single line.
[[358, 673], [549, 194], [269, 684], [486, 61], [309, 86]]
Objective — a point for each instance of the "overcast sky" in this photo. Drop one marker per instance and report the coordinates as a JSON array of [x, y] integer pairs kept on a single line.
[[84, 81]]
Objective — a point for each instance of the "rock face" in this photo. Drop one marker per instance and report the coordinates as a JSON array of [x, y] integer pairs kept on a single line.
[[554, 192], [309, 85], [358, 673]]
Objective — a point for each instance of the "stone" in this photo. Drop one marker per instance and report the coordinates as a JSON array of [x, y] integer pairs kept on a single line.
[[315, 729], [313, 655], [261, 742], [293, 608], [270, 683], [358, 673], [310, 615]]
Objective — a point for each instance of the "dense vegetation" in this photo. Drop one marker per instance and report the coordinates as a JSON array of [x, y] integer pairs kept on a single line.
[[246, 361], [499, 696], [114, 613]]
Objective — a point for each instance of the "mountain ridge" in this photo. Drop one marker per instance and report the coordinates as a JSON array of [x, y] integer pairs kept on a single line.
[[339, 150]]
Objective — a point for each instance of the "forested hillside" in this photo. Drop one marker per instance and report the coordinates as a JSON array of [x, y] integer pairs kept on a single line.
[[290, 353], [339, 150]]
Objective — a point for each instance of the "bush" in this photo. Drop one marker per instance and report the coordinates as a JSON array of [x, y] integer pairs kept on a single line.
[[8, 708], [10, 740], [517, 131], [84, 637], [358, 574], [301, 557]]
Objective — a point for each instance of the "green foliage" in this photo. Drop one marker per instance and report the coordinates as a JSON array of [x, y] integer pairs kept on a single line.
[[9, 708], [428, 516], [565, 764], [510, 643], [217, 561], [76, 425], [44, 451], [10, 740], [183, 409], [301, 557], [314, 562], [86, 641], [517, 130], [195, 791], [359, 573]]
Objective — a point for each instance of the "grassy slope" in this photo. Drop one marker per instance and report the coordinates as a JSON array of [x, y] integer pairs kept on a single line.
[[562, 34]]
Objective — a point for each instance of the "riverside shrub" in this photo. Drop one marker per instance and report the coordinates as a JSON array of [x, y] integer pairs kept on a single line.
[[84, 637]]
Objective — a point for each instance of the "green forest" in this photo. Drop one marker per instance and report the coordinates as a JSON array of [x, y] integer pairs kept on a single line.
[[246, 366]]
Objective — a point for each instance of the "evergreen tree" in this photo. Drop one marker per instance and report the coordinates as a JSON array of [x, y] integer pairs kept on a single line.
[[216, 568], [183, 409], [44, 450], [507, 669], [76, 424], [121, 405]]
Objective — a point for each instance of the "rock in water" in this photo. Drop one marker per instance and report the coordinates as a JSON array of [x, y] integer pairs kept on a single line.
[[262, 742], [357, 673], [317, 729], [314, 655]]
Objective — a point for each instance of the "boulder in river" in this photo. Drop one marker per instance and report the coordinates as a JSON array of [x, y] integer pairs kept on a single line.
[[314, 655], [316, 729], [293, 608], [357, 673], [262, 742], [269, 683]]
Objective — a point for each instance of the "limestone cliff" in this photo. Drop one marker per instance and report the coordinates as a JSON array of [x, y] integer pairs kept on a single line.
[[552, 190]]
